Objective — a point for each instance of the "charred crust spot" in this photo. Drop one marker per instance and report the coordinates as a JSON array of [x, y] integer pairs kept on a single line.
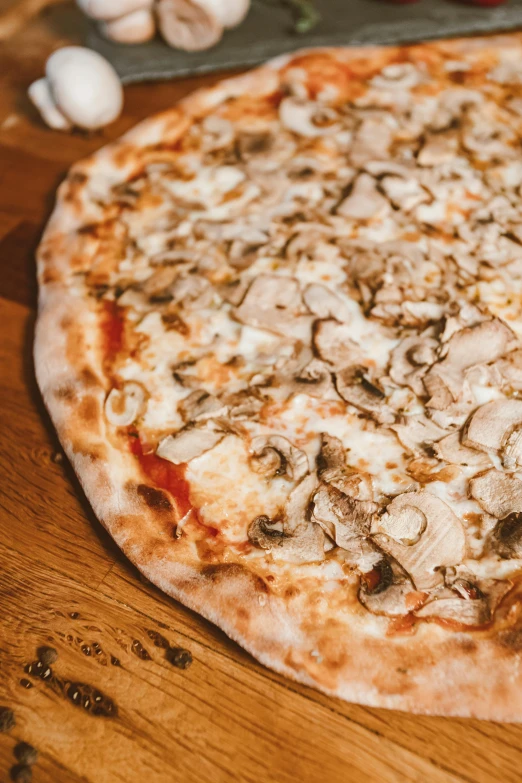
[[468, 645], [89, 230], [66, 323], [88, 377], [222, 571], [154, 498], [511, 639], [66, 393], [50, 276], [89, 410], [78, 178]]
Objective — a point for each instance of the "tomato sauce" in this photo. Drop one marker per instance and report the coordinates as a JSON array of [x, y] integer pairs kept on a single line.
[[112, 325], [164, 475]]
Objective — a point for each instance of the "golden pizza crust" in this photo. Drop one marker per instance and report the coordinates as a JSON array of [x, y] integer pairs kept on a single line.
[[436, 670]]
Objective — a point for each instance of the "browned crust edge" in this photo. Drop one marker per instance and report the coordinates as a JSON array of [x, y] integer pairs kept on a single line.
[[436, 671]]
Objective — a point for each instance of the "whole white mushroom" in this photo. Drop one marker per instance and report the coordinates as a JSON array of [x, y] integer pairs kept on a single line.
[[81, 86], [112, 9], [136, 27], [194, 25]]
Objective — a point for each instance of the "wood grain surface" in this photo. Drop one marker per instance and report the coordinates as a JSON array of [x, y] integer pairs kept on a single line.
[[112, 707]]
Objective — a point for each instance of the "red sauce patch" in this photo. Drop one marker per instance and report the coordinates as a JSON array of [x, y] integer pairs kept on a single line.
[[402, 626], [164, 475], [112, 325]]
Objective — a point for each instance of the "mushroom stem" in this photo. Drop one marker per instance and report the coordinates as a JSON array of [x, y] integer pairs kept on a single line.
[[40, 96], [188, 24]]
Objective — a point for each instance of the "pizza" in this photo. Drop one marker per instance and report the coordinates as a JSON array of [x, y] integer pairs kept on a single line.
[[280, 337]]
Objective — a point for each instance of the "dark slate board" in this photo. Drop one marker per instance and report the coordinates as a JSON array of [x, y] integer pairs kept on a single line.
[[267, 32]]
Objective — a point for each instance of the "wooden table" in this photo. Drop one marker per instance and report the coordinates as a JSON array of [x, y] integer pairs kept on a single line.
[[63, 582]]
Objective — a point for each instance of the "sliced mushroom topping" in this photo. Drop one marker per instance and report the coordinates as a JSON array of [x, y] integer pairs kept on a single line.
[[354, 387], [123, 406], [418, 433], [341, 517], [298, 539], [423, 534], [371, 141], [314, 379], [199, 404], [188, 443], [410, 361], [438, 149], [245, 404], [274, 455], [455, 608], [496, 427], [333, 343], [192, 291], [323, 303], [508, 536], [404, 193], [499, 494], [387, 589], [451, 450], [480, 344], [364, 202], [332, 469], [307, 118], [510, 368], [397, 76], [273, 302]]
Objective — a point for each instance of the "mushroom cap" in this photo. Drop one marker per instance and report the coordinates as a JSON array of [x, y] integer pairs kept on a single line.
[[123, 406], [85, 87], [188, 24], [423, 534], [188, 443], [112, 9], [137, 27], [275, 455], [302, 117], [499, 494], [229, 13], [495, 427]]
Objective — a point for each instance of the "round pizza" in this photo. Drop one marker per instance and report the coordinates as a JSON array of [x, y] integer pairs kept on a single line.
[[280, 337]]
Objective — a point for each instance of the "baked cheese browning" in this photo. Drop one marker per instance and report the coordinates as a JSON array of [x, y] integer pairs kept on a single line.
[[313, 317]]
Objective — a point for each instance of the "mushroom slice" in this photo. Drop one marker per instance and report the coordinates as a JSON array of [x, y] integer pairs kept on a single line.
[[457, 609], [274, 455], [499, 494], [451, 450], [332, 469], [306, 118], [507, 536], [298, 539], [480, 344], [495, 427], [273, 302], [123, 406], [510, 368], [417, 433], [323, 303], [437, 149], [340, 516], [387, 589], [410, 360], [188, 443], [364, 202], [423, 534], [199, 404], [357, 390], [333, 343], [188, 24]]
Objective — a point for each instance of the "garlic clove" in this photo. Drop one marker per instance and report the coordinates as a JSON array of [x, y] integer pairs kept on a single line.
[[84, 86], [136, 27], [40, 96], [188, 25], [105, 10]]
